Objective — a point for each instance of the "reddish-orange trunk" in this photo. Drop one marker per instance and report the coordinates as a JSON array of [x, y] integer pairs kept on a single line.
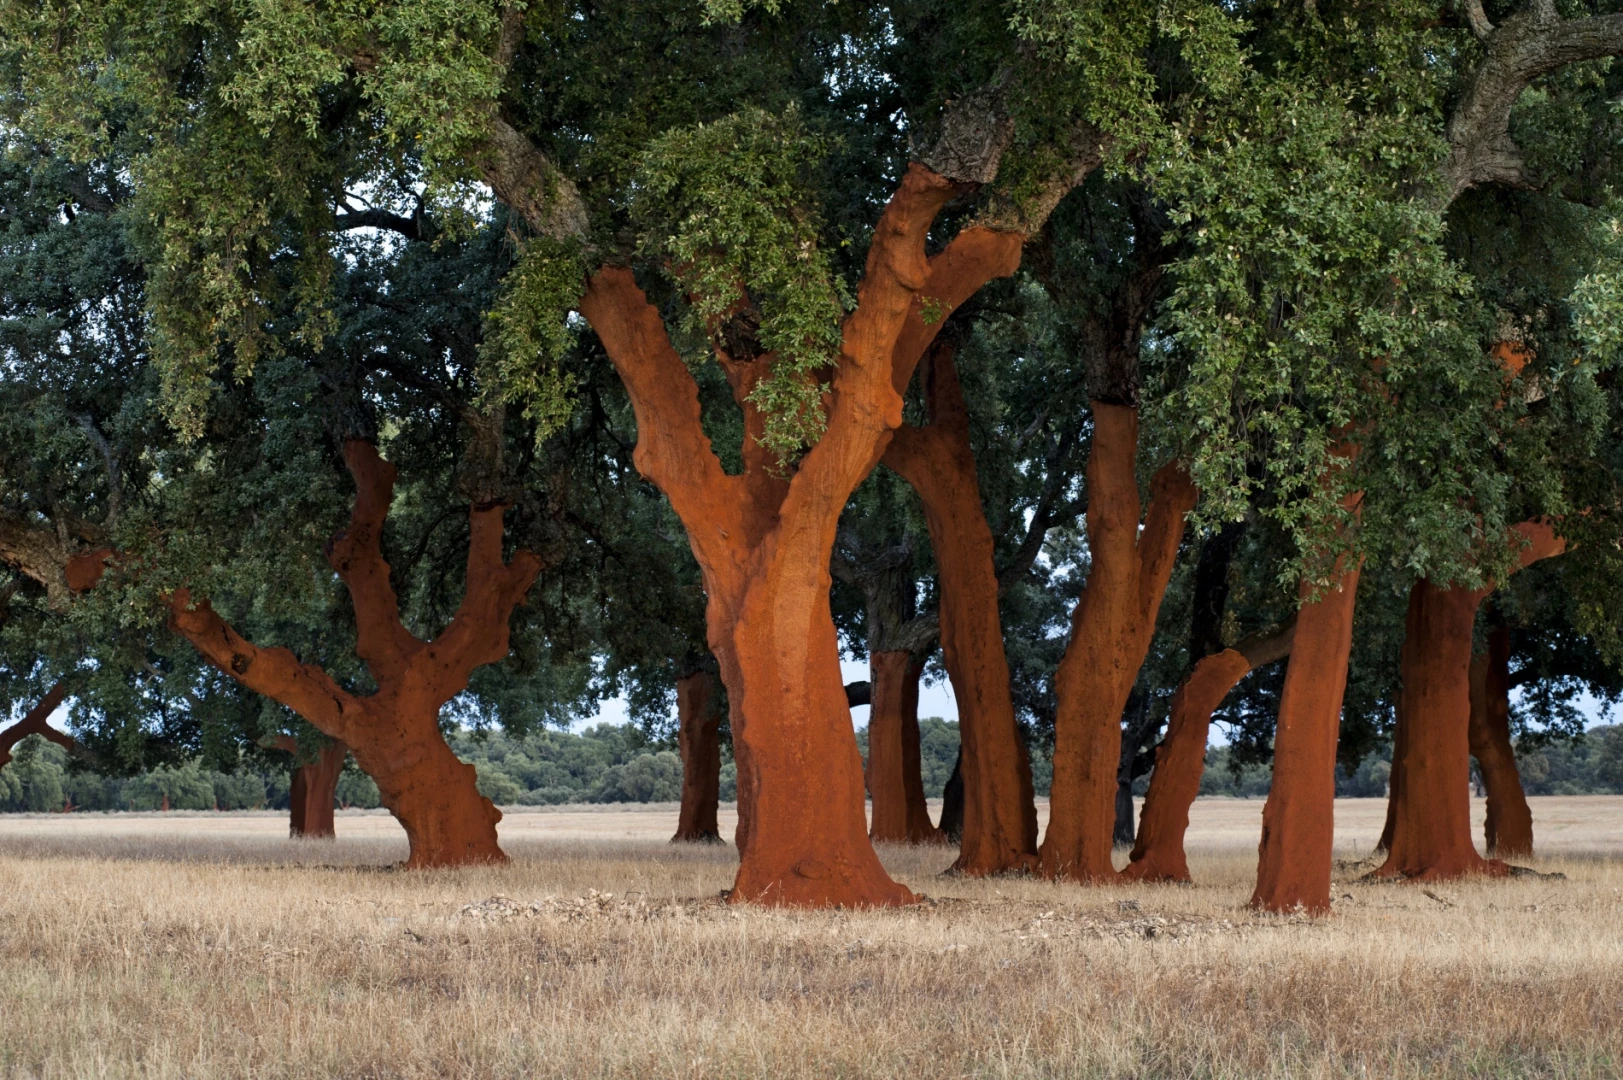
[[393, 733], [1431, 833], [763, 540], [314, 793], [1428, 811], [893, 773], [1509, 829], [1110, 634], [999, 830], [1293, 866], [698, 737], [1158, 852]]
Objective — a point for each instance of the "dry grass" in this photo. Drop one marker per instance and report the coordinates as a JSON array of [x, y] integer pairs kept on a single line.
[[209, 946]]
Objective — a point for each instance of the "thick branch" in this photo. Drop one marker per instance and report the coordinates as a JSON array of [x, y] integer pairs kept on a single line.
[[1266, 646], [672, 449], [115, 471], [370, 218], [34, 723], [275, 673], [381, 640], [1172, 496], [479, 632], [527, 181], [1530, 44]]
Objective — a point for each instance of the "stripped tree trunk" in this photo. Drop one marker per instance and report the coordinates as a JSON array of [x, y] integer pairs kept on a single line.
[[1430, 807], [1111, 628], [1158, 851], [314, 790], [763, 541], [999, 824], [1294, 857], [1509, 828], [393, 733], [893, 773], [698, 737]]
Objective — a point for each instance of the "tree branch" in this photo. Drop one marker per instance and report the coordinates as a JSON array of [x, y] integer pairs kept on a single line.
[[34, 723], [1530, 44], [115, 471], [275, 673], [480, 630], [672, 449], [381, 640], [1172, 496]]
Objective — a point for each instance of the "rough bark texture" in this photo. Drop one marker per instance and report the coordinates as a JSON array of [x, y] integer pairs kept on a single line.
[[1111, 628], [1158, 851], [893, 773], [1293, 866], [393, 733], [34, 722], [1429, 804], [1531, 43], [999, 826], [763, 541], [314, 791], [698, 736], [1509, 829]]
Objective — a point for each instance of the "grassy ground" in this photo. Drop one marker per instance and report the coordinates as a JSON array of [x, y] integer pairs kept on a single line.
[[210, 946]]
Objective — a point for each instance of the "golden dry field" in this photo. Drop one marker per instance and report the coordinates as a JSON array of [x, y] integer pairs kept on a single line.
[[209, 945]]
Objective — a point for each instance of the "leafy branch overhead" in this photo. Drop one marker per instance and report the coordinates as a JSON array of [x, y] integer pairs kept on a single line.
[[731, 209]]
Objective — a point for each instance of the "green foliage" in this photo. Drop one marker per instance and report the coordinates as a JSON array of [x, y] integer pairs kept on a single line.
[[730, 206], [530, 335]]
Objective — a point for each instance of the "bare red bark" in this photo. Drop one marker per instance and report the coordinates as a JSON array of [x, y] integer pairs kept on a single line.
[[393, 733], [1430, 802], [900, 813], [1158, 851], [34, 722], [1509, 828], [1111, 628], [1293, 865], [999, 812], [698, 736], [314, 790], [763, 542]]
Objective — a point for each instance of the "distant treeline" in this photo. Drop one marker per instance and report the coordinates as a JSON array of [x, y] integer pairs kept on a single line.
[[618, 764]]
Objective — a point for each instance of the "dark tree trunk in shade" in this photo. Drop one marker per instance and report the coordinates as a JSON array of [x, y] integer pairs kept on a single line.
[[1509, 828], [314, 792], [698, 737]]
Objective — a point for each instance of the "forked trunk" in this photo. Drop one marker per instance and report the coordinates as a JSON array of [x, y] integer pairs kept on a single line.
[[698, 737], [1431, 805], [1294, 858], [1110, 635], [1158, 851], [1509, 830], [314, 793], [393, 733], [763, 539], [998, 827], [893, 773]]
